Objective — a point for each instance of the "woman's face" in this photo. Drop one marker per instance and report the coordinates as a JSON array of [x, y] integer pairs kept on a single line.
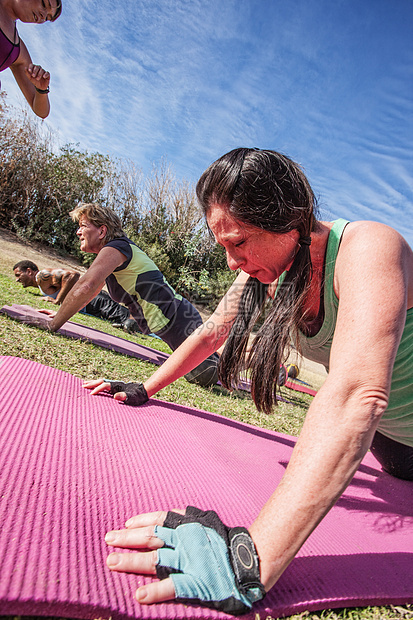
[[261, 254], [91, 237], [35, 11]]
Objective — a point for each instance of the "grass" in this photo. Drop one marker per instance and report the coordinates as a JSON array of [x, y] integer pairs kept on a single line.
[[88, 361]]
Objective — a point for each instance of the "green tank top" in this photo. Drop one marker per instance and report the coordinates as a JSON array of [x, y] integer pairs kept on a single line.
[[397, 421], [142, 288]]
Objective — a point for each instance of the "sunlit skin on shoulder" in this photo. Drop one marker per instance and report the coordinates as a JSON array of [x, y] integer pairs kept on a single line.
[[259, 253]]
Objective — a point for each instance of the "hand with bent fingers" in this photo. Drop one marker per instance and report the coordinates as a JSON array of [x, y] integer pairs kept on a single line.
[[197, 558], [38, 76], [101, 385], [51, 300]]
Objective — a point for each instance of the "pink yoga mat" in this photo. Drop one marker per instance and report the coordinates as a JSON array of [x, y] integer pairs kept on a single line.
[[73, 466], [29, 315]]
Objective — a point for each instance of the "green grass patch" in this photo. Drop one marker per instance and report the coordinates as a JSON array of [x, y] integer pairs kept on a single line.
[[88, 361]]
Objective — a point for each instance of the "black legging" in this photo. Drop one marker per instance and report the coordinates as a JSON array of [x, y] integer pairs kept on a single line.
[[185, 321], [395, 458], [104, 307]]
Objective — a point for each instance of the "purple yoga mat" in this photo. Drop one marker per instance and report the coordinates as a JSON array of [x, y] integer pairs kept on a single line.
[[27, 314], [73, 466]]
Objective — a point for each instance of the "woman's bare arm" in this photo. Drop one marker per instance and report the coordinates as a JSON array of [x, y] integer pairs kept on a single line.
[[29, 77], [196, 348], [88, 286]]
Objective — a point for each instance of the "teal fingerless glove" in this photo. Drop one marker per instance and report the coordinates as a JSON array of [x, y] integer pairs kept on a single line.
[[209, 563]]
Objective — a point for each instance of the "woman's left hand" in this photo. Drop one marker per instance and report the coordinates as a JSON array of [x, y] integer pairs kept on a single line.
[[197, 558], [139, 534], [38, 76]]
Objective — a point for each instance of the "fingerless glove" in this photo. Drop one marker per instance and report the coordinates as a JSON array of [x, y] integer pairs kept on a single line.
[[135, 392], [209, 563]]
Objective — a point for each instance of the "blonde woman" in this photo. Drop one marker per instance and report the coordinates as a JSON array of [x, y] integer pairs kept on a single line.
[[133, 280]]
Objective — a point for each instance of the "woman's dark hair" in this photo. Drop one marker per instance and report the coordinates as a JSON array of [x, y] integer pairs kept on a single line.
[[267, 190], [58, 11]]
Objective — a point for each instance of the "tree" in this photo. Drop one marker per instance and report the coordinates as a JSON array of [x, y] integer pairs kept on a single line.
[[39, 187], [40, 184]]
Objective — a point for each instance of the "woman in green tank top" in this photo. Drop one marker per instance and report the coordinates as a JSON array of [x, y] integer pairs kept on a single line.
[[343, 294]]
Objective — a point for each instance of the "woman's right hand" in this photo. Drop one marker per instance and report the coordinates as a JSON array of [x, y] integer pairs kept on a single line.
[[38, 76], [97, 386], [131, 393]]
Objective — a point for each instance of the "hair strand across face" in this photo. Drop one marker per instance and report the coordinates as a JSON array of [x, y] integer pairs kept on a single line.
[[267, 190]]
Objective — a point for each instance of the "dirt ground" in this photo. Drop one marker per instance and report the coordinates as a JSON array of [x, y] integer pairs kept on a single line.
[[13, 250]]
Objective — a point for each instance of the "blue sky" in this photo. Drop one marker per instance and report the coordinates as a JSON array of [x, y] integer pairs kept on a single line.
[[328, 82]]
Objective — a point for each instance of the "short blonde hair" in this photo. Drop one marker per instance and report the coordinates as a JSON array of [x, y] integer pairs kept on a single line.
[[99, 216]]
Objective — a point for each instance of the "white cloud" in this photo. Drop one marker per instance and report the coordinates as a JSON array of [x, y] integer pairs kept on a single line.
[[328, 84]]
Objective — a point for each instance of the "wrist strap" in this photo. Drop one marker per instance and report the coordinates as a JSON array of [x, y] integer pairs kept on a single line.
[[245, 563], [43, 91]]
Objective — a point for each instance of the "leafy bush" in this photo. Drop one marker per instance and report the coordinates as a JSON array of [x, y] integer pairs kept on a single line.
[[40, 185]]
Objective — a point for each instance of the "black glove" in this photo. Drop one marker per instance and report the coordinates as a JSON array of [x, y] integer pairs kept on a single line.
[[135, 392], [209, 563]]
